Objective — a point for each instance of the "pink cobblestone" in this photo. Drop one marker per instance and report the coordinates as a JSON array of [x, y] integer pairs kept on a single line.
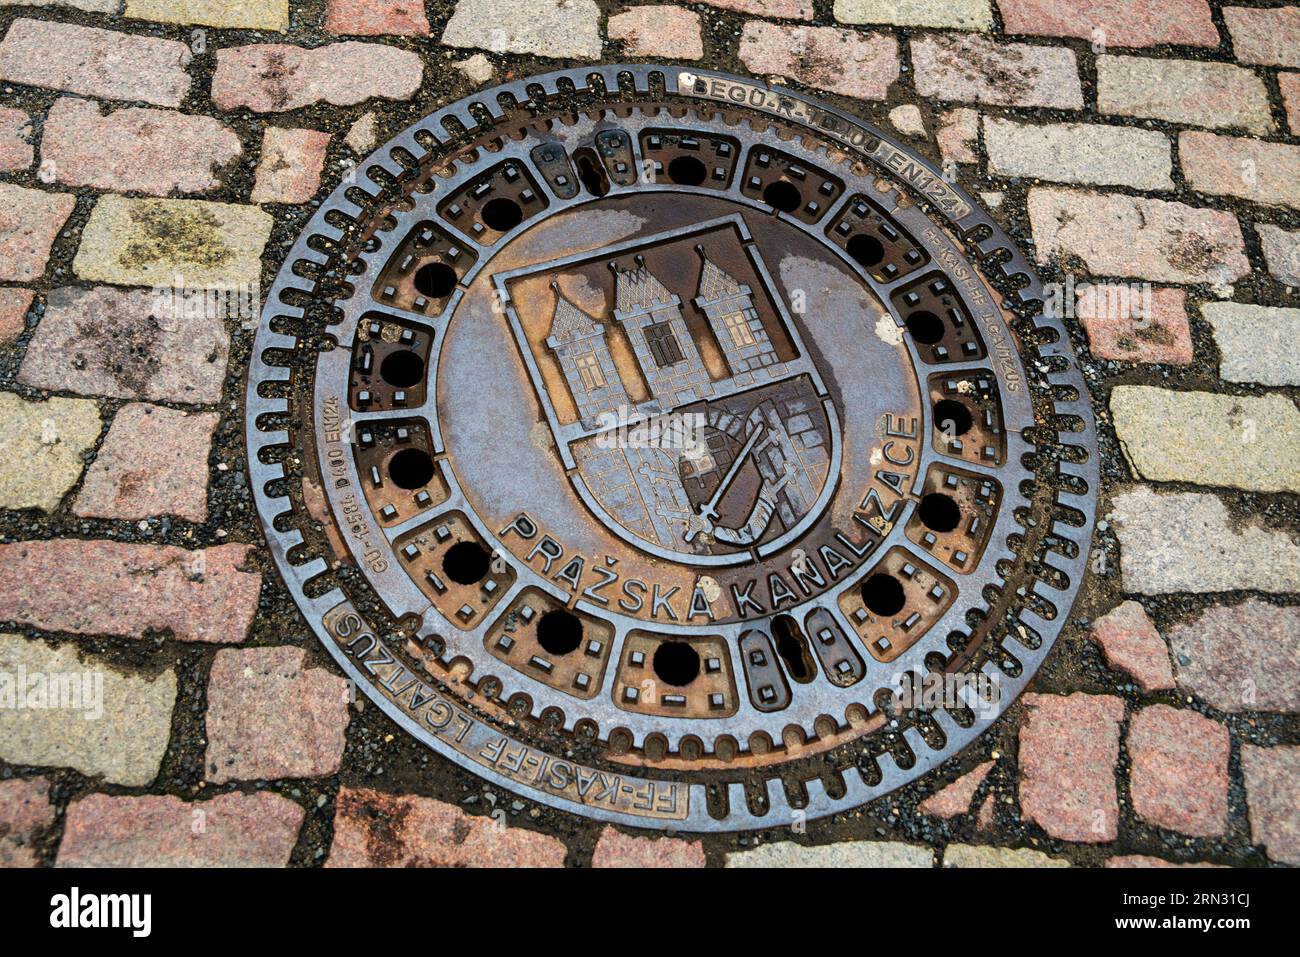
[[1069, 746], [1124, 334], [25, 812], [230, 830], [269, 717], [1131, 643], [1179, 770], [275, 77], [377, 18], [1242, 657], [373, 829], [1116, 23], [1236, 166], [135, 149], [29, 221], [16, 151], [976, 69], [616, 849], [291, 164], [658, 31], [958, 136], [1273, 797], [150, 464], [94, 62], [116, 588], [955, 799], [1268, 37], [14, 303], [772, 9], [842, 61]]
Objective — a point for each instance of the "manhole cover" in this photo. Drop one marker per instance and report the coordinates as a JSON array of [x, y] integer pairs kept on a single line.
[[670, 449]]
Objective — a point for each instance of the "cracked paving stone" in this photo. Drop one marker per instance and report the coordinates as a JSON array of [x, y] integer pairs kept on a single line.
[[225, 14], [616, 849], [1117, 23], [269, 717], [146, 466], [1245, 442], [25, 812], [29, 221], [1255, 342], [1084, 153], [979, 855], [134, 149], [1216, 95], [551, 28], [1188, 542], [94, 62], [100, 587], [845, 854], [277, 77], [1178, 774], [290, 168], [42, 448], [1114, 235], [1273, 798], [1069, 747], [842, 61], [374, 829], [129, 344], [1242, 657], [151, 242], [230, 830], [119, 733], [1130, 643], [977, 69], [955, 799]]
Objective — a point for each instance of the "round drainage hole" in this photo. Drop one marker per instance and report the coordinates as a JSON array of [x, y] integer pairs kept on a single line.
[[502, 214], [783, 196], [952, 417], [559, 632], [410, 468], [687, 171], [866, 251], [466, 563], [402, 369], [939, 512], [883, 595], [925, 327], [435, 280], [676, 663]]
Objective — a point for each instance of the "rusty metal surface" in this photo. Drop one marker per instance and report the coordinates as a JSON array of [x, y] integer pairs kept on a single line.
[[637, 438]]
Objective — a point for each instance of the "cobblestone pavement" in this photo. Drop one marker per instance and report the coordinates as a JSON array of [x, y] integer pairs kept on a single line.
[[1117, 140]]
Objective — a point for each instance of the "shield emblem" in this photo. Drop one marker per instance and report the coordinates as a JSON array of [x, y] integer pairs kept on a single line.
[[678, 390]]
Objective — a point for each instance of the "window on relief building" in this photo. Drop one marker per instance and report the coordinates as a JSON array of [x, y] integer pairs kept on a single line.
[[663, 344], [589, 371], [738, 328]]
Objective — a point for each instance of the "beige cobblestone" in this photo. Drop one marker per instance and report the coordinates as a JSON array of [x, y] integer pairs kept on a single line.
[[978, 855], [783, 854], [226, 14], [42, 446], [1256, 343], [1083, 153], [1216, 95]]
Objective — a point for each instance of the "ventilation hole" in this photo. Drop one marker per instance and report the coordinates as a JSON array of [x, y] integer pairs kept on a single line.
[[925, 327], [952, 417], [687, 171], [410, 468], [793, 648], [502, 214], [939, 512], [883, 595], [466, 563], [783, 196], [866, 251], [591, 173], [402, 369], [559, 632], [676, 663], [435, 280]]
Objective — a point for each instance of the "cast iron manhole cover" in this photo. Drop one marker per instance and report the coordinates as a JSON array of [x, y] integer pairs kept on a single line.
[[651, 441]]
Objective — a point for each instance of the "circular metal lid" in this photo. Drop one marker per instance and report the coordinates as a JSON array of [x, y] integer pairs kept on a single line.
[[670, 448]]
